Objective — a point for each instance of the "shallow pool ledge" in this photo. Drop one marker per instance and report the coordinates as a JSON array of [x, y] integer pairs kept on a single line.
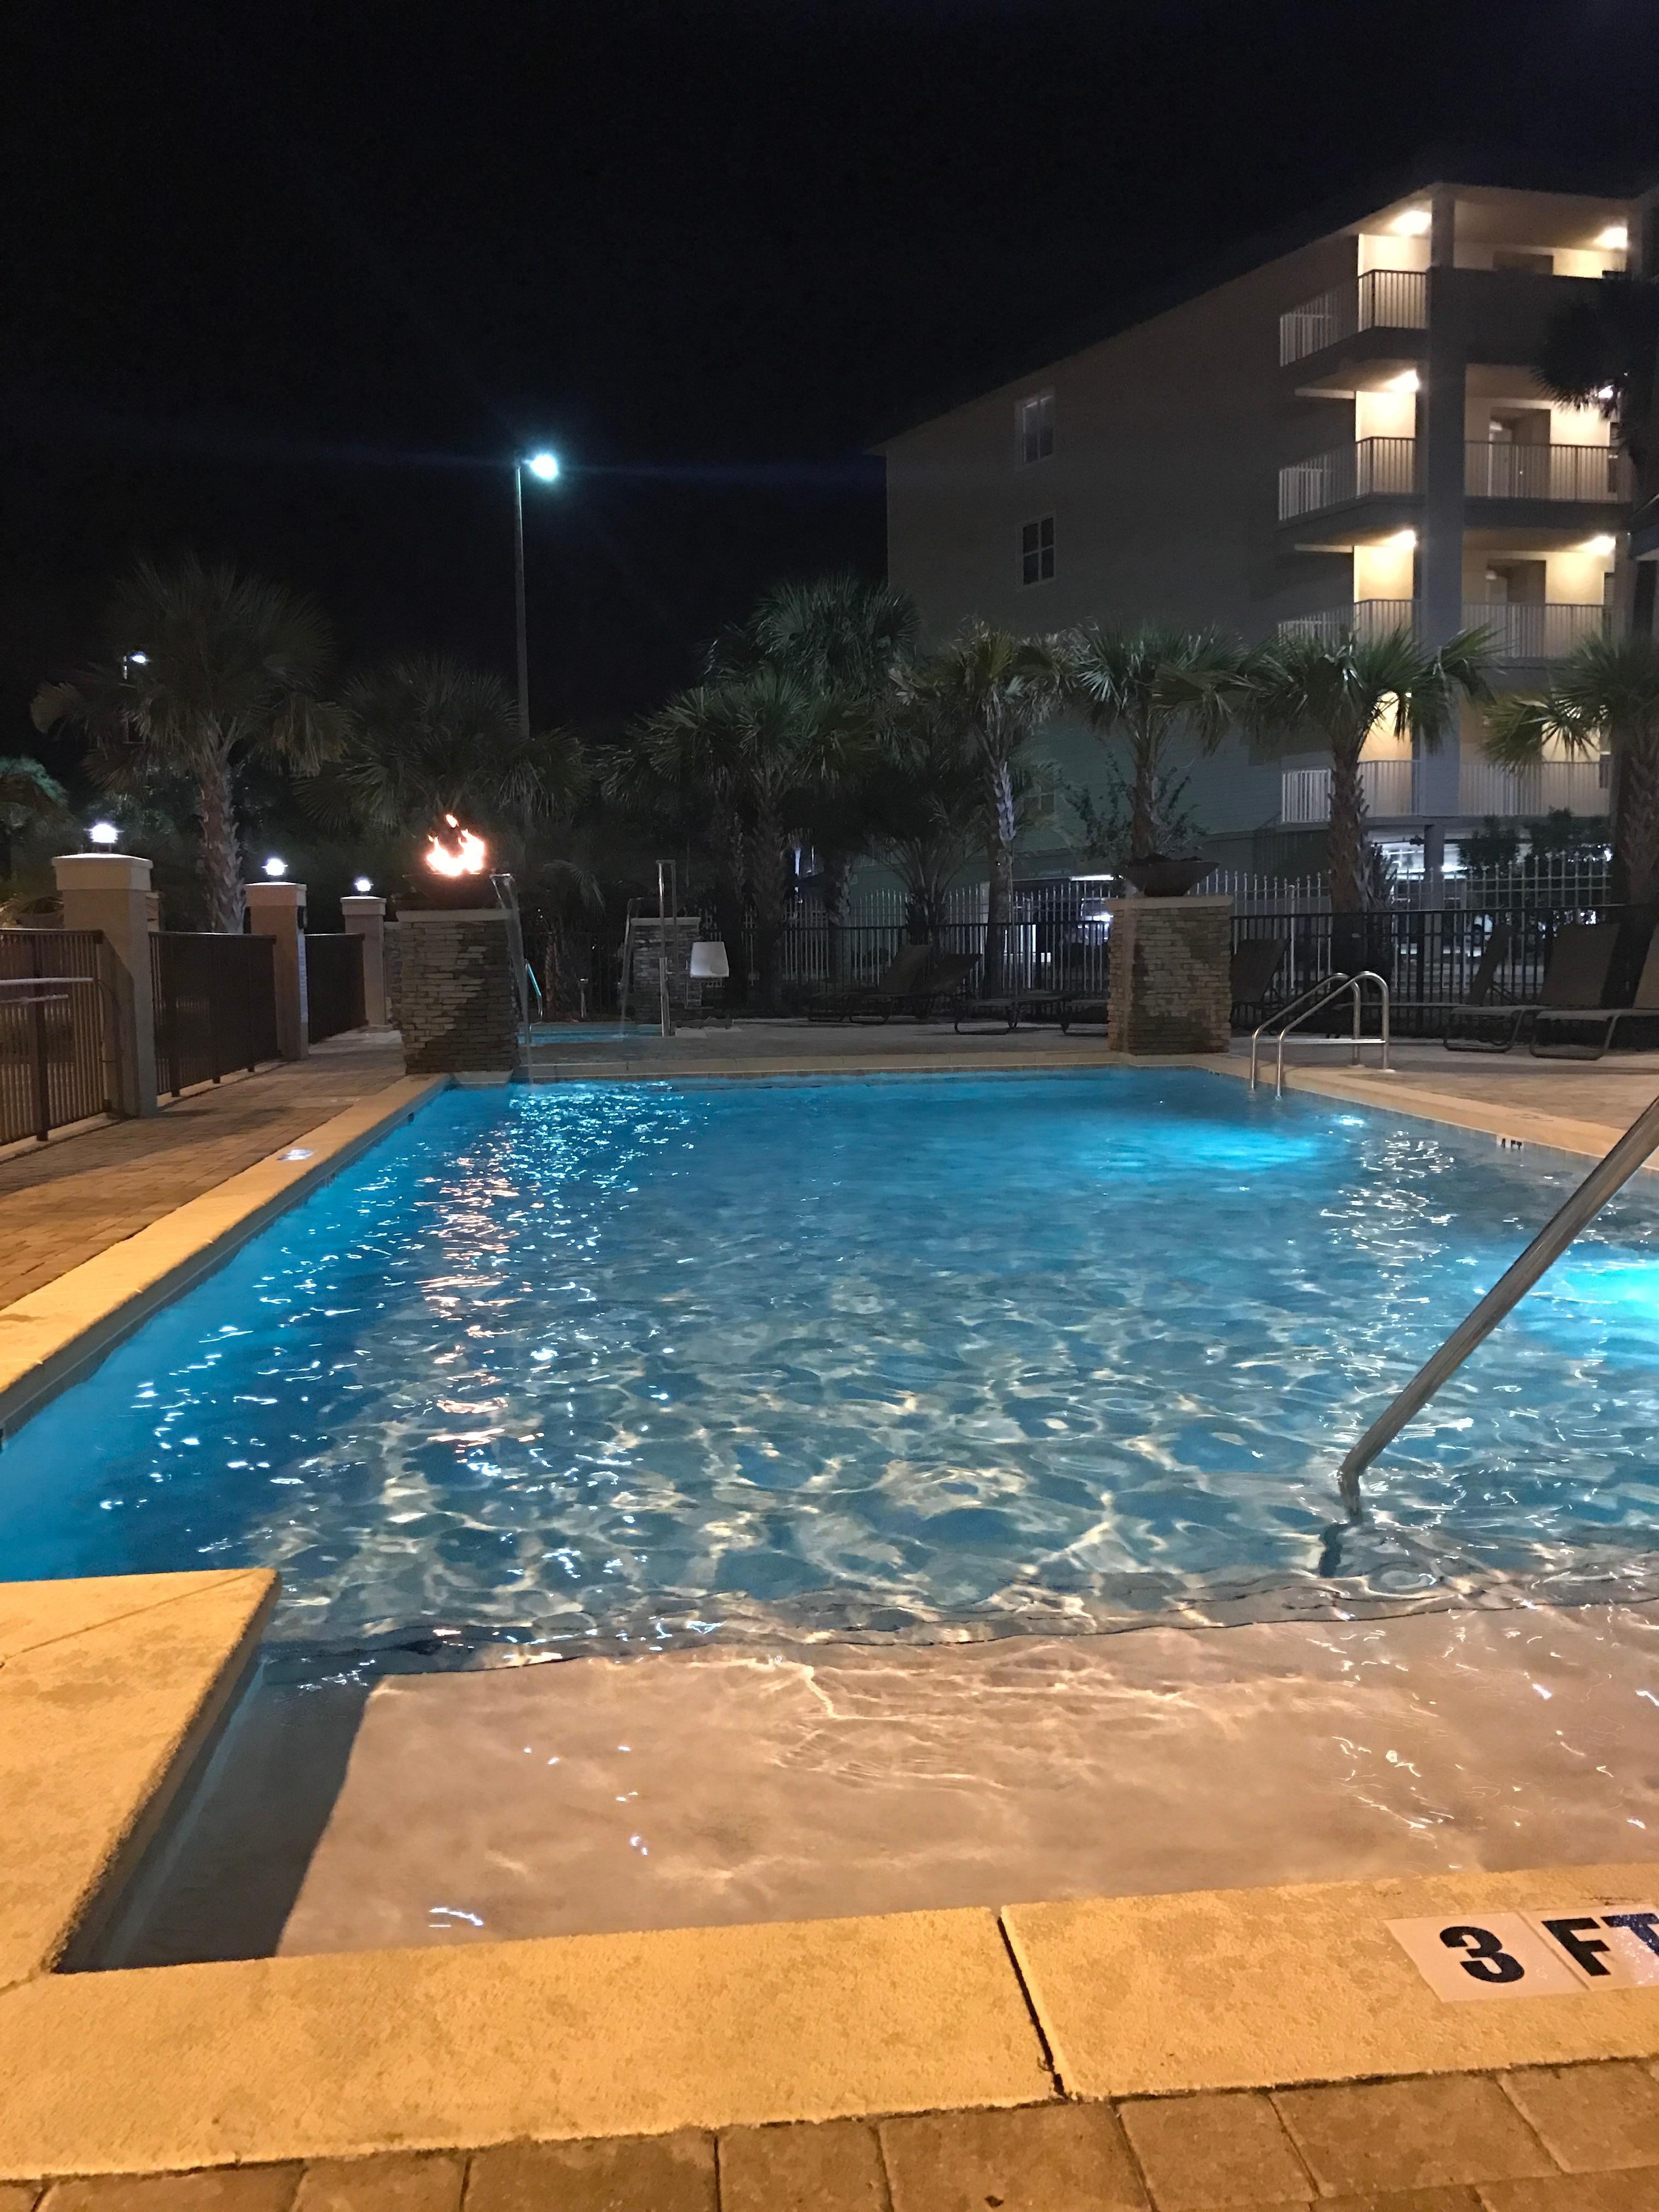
[[107, 1690], [51, 1338]]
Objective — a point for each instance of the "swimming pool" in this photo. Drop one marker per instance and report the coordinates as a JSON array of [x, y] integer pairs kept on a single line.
[[621, 1364]]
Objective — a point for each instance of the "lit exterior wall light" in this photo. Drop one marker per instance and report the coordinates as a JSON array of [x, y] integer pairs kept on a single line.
[[1407, 380], [275, 868], [104, 833], [1615, 238], [1402, 537], [1604, 545], [1416, 222], [362, 886]]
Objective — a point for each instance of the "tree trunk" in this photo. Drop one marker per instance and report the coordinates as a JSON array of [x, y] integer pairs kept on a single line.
[[1636, 824], [1001, 828], [1143, 802], [1345, 837], [221, 860], [770, 875]]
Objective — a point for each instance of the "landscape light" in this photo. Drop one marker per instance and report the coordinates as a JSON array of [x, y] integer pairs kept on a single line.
[[1413, 223], [104, 833], [1602, 545], [543, 466], [362, 884], [1616, 236], [1407, 380], [274, 867]]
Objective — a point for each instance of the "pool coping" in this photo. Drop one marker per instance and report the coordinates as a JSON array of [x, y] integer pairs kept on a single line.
[[55, 1334], [343, 2054], [571, 2037]]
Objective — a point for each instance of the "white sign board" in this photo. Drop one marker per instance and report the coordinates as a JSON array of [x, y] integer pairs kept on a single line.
[[1534, 1954]]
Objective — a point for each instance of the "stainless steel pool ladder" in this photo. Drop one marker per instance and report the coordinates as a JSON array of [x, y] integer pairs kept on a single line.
[[1312, 1001], [1607, 1176]]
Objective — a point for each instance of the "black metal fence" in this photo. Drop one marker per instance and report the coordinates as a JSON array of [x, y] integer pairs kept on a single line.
[[334, 984], [216, 1006], [57, 1030], [1429, 958]]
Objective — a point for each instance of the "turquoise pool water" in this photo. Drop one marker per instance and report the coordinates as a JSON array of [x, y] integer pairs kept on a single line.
[[641, 1362]]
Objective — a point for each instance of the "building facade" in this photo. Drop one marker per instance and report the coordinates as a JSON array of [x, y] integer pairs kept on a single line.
[[1350, 433]]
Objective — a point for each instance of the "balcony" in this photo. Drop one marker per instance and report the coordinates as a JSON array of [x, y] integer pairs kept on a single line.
[[1369, 468], [1580, 786], [1389, 788], [1381, 299], [1546, 631], [1592, 475]]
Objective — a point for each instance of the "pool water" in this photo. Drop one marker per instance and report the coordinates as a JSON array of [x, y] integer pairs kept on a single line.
[[614, 1365]]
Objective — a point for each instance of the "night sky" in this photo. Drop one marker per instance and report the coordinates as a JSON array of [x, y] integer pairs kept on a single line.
[[292, 283]]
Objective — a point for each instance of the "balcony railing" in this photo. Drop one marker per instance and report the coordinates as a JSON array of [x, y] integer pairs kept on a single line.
[[1580, 786], [1546, 631], [1381, 299], [1592, 473], [1363, 470], [1387, 786]]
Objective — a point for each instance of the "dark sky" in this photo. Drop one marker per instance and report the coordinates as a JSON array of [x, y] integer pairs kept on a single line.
[[291, 283]]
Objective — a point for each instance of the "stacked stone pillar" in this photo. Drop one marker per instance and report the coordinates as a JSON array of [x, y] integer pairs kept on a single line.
[[110, 892], [458, 1004], [1170, 988]]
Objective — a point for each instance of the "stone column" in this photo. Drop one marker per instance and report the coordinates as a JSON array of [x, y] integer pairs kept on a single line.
[[276, 911], [110, 891], [457, 1004], [365, 917], [1169, 986]]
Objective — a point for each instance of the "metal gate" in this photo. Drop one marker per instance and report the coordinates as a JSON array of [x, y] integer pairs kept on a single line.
[[216, 1006], [57, 1037]]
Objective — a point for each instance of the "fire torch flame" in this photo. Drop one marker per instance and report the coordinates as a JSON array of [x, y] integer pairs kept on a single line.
[[465, 857]]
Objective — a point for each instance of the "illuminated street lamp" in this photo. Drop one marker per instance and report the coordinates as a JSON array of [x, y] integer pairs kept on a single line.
[[545, 467]]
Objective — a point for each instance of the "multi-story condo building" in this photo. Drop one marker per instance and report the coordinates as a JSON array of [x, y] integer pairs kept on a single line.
[[1348, 433]]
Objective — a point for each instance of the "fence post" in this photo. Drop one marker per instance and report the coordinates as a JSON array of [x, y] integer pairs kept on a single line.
[[365, 918], [274, 910], [110, 891]]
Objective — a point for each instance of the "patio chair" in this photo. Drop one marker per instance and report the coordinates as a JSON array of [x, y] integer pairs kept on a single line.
[[1575, 982], [942, 980], [1405, 1015], [898, 983], [1596, 1031], [1257, 960]]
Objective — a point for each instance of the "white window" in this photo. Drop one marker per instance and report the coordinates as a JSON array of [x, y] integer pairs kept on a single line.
[[1034, 427], [1036, 550]]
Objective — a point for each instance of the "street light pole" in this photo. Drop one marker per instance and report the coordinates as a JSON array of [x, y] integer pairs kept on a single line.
[[545, 467]]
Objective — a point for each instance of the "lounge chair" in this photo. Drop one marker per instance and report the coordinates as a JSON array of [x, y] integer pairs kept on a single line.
[[898, 984], [1575, 982], [1257, 960], [1406, 1015], [1597, 1030]]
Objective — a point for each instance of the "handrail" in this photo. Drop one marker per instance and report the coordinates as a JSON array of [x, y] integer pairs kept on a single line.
[[1610, 1174], [1321, 994], [1313, 991]]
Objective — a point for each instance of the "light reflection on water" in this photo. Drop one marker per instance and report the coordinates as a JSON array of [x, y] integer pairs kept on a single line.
[[905, 1355]]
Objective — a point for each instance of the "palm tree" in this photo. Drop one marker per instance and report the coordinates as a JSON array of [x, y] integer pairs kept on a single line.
[[425, 736], [1602, 349], [922, 802], [993, 692], [765, 744], [1309, 693], [1144, 686], [1605, 693], [207, 668], [839, 633], [28, 796]]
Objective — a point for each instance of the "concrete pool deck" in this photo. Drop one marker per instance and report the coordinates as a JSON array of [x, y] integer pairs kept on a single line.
[[912, 2059]]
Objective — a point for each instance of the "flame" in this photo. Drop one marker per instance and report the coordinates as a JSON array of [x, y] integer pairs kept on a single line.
[[466, 857]]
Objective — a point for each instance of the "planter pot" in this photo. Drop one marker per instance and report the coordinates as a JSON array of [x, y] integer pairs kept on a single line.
[[1157, 877]]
